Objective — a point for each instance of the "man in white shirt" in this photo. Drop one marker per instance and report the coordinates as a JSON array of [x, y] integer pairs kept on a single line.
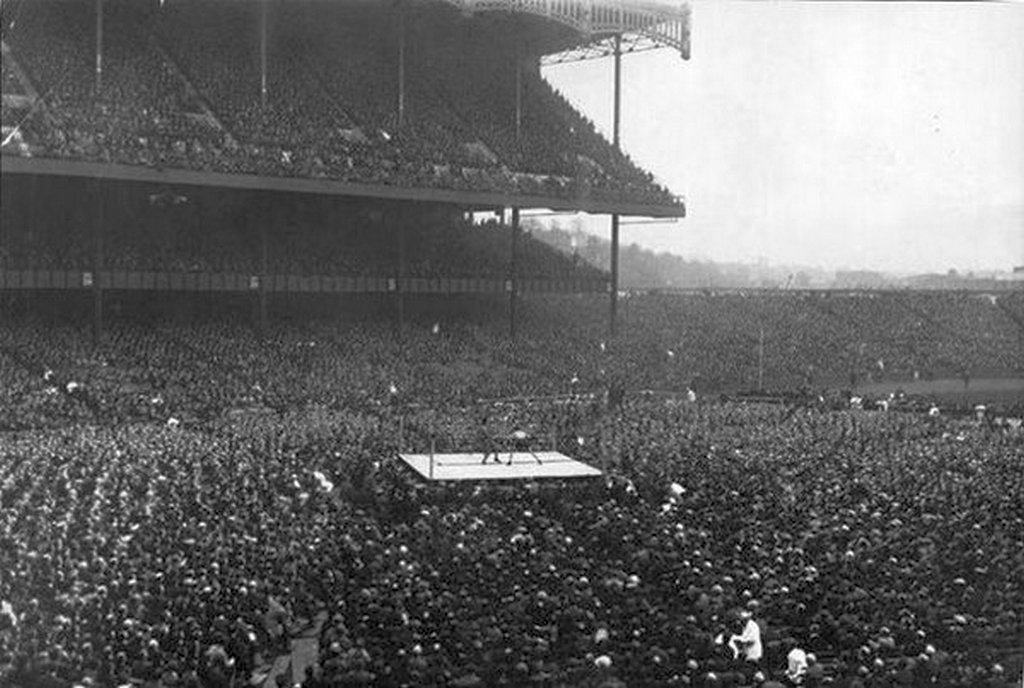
[[747, 645], [796, 666], [745, 641]]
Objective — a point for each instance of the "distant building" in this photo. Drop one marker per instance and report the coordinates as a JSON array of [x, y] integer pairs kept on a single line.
[[860, 279]]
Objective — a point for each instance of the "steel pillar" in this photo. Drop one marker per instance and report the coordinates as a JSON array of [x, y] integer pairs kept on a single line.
[[264, 270], [613, 304], [401, 66], [99, 45], [97, 263], [399, 295], [263, 52], [519, 98], [513, 294]]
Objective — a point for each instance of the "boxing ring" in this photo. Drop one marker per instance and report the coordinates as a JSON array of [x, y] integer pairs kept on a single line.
[[513, 465]]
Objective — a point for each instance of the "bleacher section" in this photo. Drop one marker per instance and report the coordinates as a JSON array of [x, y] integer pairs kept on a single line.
[[173, 75], [218, 233], [707, 342]]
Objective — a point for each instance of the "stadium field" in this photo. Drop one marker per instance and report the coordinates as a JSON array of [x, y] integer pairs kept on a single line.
[[987, 390]]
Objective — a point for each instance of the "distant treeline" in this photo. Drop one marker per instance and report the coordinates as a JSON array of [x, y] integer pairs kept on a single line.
[[642, 268]]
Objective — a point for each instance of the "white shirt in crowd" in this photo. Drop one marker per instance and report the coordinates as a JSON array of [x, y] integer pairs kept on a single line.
[[747, 645], [796, 662]]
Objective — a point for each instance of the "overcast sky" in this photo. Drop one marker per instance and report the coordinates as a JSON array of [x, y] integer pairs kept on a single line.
[[882, 135]]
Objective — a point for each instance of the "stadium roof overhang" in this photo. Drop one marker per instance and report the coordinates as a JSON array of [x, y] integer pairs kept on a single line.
[[478, 200], [642, 25], [587, 27]]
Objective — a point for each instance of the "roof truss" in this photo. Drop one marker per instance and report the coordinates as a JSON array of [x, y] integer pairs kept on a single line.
[[657, 24]]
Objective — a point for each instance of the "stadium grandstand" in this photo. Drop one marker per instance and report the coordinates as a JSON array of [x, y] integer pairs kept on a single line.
[[247, 303], [401, 116]]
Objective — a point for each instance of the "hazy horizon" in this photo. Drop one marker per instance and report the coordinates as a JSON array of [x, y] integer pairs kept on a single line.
[[861, 135]]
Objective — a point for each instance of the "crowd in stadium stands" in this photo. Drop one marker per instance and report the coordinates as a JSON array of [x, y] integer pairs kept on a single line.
[[10, 81], [553, 140], [161, 518], [208, 237], [809, 337], [707, 343], [178, 90]]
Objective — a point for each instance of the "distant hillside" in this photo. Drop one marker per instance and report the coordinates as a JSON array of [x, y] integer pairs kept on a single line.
[[641, 268]]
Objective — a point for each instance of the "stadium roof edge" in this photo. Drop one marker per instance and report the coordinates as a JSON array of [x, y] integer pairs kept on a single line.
[[652, 23], [661, 23], [481, 200]]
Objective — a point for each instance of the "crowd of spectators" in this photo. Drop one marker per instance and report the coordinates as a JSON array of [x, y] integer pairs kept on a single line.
[[165, 545], [139, 113], [157, 230], [11, 84], [177, 498], [709, 343], [552, 139], [708, 340], [182, 86], [805, 338]]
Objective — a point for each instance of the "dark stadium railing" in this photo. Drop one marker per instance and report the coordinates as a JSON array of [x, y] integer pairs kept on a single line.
[[236, 282]]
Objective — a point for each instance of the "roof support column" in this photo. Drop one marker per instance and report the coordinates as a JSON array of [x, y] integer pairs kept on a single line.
[[613, 287], [613, 293], [760, 361], [99, 45], [264, 277], [263, 52], [519, 96], [617, 112], [513, 279], [400, 280], [97, 263], [401, 66], [33, 206]]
